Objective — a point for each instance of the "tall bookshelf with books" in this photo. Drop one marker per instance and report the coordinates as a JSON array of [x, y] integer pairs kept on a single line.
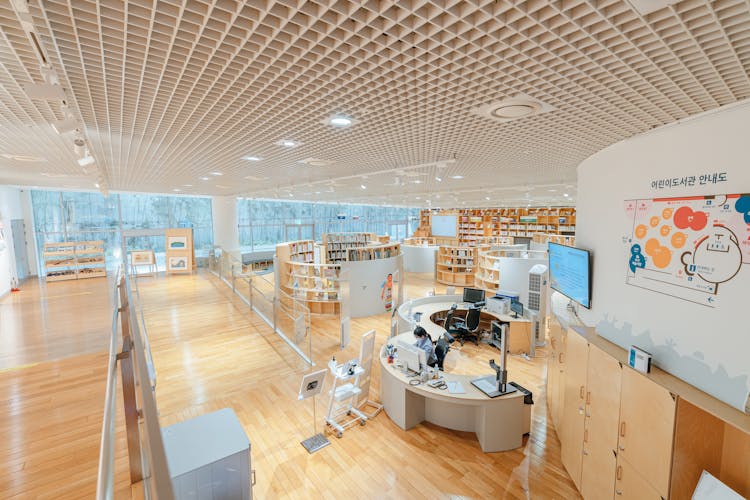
[[374, 252], [301, 278], [474, 224], [74, 260], [336, 245], [457, 265]]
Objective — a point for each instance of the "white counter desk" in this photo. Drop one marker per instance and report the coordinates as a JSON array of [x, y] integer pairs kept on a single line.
[[499, 423], [437, 307]]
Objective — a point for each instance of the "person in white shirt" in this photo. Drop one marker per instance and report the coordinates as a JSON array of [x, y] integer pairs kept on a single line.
[[424, 342]]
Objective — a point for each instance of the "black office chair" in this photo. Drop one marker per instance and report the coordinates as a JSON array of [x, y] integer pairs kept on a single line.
[[470, 329], [452, 323], [442, 347]]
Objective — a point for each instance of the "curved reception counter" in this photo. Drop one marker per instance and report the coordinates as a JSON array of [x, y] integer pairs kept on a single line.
[[499, 423]]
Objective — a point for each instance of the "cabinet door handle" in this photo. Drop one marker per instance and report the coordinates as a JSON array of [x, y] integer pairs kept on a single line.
[[252, 483], [585, 452], [586, 436], [622, 429], [588, 397], [560, 358], [580, 392], [619, 473], [619, 492]]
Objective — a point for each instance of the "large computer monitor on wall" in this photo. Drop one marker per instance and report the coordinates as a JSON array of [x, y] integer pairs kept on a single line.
[[473, 295]]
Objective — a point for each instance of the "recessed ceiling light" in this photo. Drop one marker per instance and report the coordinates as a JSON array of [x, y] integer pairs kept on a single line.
[[487, 198], [566, 194], [96, 184], [22, 157], [187, 185], [363, 186], [204, 178], [216, 173], [416, 181], [252, 158], [86, 160], [177, 190], [457, 176], [439, 179], [288, 143], [339, 121], [552, 190], [512, 108], [315, 162]]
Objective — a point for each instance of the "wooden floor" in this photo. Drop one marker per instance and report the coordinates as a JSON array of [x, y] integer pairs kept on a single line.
[[211, 353]]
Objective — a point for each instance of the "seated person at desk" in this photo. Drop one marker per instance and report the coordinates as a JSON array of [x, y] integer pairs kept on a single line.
[[424, 342]]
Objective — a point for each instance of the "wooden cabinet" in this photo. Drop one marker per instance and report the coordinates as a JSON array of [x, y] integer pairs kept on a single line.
[[600, 427], [572, 421], [555, 371], [630, 485], [646, 429]]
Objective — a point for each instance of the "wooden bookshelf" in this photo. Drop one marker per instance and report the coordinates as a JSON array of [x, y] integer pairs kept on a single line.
[[74, 260], [337, 245], [554, 238], [420, 241], [316, 285], [457, 265], [300, 278], [474, 224], [374, 252]]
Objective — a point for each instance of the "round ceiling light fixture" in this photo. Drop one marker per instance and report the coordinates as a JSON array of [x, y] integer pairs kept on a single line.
[[288, 143], [512, 109]]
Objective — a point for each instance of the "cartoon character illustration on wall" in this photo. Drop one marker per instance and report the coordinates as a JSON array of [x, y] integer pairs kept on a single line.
[[716, 258], [386, 292]]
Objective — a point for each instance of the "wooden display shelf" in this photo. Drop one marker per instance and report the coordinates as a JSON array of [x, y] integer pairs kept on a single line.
[[374, 252], [420, 241], [474, 224], [81, 257], [457, 265], [336, 246], [314, 285]]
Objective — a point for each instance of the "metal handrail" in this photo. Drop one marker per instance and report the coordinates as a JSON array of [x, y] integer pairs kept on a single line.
[[105, 476]]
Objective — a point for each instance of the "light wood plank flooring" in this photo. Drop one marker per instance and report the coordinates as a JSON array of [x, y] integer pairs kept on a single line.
[[210, 353]]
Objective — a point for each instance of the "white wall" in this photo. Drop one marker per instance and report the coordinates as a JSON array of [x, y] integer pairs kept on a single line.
[[224, 215], [10, 208], [706, 345]]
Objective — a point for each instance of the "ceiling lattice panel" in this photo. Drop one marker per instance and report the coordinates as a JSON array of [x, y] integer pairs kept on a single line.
[[171, 92]]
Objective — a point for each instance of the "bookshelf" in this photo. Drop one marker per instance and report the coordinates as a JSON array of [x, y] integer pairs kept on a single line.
[[420, 241], [300, 277], [337, 245], [316, 285], [456, 265], [374, 252], [474, 224], [544, 238], [74, 260]]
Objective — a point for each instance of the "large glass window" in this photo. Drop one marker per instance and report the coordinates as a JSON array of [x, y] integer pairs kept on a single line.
[[264, 223], [138, 220]]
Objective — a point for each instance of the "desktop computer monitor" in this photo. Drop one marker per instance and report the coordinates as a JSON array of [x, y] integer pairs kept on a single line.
[[517, 308], [473, 295], [413, 357]]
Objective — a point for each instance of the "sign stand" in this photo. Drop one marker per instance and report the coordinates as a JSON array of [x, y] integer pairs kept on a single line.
[[312, 384]]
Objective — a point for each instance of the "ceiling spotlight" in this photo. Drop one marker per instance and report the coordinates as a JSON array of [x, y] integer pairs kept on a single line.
[[363, 186], [86, 160], [216, 173], [439, 179], [96, 185], [252, 158], [204, 178], [339, 121], [566, 194], [457, 176], [487, 198], [177, 190], [288, 143]]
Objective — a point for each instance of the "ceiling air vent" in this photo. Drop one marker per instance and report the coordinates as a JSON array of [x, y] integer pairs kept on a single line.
[[513, 108]]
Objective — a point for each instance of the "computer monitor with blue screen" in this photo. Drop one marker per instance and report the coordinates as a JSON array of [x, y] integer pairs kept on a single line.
[[570, 272], [473, 295], [517, 308]]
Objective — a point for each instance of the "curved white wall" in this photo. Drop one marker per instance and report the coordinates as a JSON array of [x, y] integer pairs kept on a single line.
[[708, 346]]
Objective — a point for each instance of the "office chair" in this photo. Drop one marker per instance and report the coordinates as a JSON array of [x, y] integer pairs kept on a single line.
[[469, 330], [451, 323], [442, 347]]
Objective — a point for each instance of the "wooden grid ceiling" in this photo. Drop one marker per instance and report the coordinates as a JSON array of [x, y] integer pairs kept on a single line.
[[169, 93]]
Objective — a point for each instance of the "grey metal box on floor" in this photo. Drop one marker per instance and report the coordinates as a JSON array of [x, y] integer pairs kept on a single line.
[[209, 457]]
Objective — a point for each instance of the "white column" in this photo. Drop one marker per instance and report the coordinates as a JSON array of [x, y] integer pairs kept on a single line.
[[224, 215]]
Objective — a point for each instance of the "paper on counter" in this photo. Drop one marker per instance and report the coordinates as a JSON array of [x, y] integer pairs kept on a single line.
[[456, 387]]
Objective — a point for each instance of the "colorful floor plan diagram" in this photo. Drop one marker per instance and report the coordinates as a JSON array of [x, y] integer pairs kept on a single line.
[[688, 247]]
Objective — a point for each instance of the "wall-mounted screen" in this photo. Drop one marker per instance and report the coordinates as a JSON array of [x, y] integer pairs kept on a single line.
[[570, 272], [444, 225]]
